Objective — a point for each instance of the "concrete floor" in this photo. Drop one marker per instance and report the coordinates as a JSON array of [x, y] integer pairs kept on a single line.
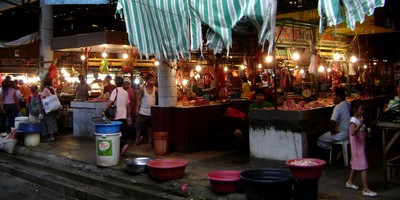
[[331, 184]]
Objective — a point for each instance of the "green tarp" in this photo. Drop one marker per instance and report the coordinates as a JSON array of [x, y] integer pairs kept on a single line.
[[331, 11], [171, 29]]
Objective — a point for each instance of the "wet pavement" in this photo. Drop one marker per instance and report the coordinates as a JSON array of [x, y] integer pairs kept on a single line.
[[331, 184]]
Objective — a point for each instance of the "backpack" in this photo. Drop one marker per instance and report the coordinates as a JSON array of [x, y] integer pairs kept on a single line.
[[35, 106]]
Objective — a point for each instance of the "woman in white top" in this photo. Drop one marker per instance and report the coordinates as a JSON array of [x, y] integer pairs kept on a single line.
[[148, 98]]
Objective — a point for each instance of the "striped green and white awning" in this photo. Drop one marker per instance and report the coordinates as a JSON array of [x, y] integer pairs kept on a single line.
[[331, 10], [222, 15], [169, 29]]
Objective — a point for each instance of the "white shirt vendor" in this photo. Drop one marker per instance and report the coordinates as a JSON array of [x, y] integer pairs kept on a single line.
[[341, 118]]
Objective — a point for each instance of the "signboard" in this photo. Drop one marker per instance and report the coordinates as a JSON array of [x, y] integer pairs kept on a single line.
[[18, 62], [293, 35], [69, 2], [334, 41]]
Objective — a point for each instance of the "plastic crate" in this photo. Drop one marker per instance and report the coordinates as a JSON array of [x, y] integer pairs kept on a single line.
[[393, 169]]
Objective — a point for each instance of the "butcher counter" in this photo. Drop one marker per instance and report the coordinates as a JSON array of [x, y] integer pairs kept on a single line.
[[289, 134], [82, 114]]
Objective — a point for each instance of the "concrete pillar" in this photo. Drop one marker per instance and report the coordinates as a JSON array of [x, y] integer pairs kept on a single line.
[[46, 35], [167, 84]]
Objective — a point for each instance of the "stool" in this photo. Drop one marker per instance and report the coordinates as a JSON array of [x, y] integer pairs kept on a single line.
[[344, 144]]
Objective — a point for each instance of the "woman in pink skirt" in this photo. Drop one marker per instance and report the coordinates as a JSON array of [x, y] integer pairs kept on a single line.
[[358, 160]]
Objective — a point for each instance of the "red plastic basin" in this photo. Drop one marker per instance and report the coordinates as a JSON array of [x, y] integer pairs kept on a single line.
[[306, 168], [167, 169], [224, 181]]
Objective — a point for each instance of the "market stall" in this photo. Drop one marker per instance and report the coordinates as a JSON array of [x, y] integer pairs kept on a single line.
[[285, 133]]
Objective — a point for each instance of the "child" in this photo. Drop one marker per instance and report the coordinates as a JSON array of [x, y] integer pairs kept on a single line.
[[33, 104], [260, 103], [357, 136]]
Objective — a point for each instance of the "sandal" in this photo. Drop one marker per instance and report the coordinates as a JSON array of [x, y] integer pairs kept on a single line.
[[352, 186], [369, 193]]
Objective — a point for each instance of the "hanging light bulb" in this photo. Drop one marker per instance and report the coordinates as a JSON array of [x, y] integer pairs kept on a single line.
[[242, 67], [297, 66], [125, 56], [321, 68], [225, 69], [365, 66], [302, 71], [156, 63], [104, 54], [353, 59], [336, 56], [184, 82], [269, 58], [296, 56], [259, 66], [198, 68], [136, 81], [83, 57], [329, 70]]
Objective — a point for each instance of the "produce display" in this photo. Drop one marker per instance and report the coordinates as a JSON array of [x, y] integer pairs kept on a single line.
[[304, 163], [292, 105]]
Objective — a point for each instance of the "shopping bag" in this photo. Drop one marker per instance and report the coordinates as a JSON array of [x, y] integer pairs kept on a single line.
[[51, 103], [7, 144]]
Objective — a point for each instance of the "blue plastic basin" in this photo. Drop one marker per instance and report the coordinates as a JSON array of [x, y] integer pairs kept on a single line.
[[29, 127], [114, 127]]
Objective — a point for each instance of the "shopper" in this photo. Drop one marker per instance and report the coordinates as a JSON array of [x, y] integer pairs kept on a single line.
[[49, 122], [119, 97], [358, 133], [82, 89], [132, 94], [23, 88], [339, 123], [34, 104], [9, 105], [147, 95]]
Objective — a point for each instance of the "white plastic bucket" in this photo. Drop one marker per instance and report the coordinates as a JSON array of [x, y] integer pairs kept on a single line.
[[31, 139], [19, 120], [107, 149]]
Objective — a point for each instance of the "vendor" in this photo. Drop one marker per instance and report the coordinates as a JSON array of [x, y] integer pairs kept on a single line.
[[82, 89], [260, 103], [108, 86], [393, 103], [245, 92]]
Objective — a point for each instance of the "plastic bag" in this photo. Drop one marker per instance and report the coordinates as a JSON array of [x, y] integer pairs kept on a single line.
[[51, 103], [7, 144], [234, 113]]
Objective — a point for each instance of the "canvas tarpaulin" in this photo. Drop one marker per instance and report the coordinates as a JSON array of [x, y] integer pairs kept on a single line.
[[331, 10], [170, 29]]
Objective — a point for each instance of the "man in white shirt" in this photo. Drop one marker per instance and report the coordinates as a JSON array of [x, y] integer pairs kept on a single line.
[[339, 123]]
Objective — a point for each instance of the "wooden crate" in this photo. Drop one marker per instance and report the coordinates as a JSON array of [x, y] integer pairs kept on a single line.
[[393, 169]]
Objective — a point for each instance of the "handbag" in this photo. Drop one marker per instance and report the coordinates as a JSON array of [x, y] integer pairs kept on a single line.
[[51, 103], [110, 112]]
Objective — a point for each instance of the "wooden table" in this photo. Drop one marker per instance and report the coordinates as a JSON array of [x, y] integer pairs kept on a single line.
[[387, 128]]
